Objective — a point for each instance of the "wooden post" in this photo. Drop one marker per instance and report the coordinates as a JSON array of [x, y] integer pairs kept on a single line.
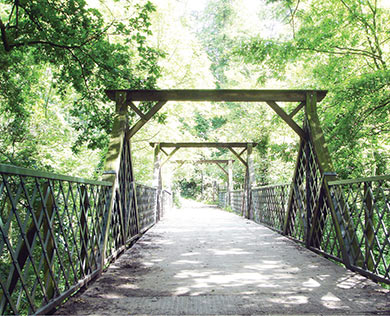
[[250, 180], [309, 193], [369, 226], [157, 180], [348, 241], [230, 183], [84, 205], [112, 165], [201, 186], [48, 224]]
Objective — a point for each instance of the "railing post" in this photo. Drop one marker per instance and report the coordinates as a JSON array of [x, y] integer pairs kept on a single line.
[[84, 205], [368, 225], [47, 226], [112, 165], [250, 178], [157, 180], [230, 183], [317, 139], [294, 190]]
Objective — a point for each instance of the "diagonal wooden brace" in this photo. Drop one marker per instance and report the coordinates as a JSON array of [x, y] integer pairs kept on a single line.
[[238, 156], [222, 168], [285, 117], [170, 155], [297, 109], [137, 126]]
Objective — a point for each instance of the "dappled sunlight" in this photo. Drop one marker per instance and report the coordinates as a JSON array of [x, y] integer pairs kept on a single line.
[[292, 299], [232, 251], [311, 283], [190, 254], [211, 258], [186, 262]]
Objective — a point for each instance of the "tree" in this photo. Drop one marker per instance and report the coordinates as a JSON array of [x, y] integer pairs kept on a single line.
[[85, 53], [342, 46]]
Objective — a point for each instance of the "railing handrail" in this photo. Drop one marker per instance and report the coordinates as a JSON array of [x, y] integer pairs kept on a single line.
[[270, 186], [359, 180], [145, 186], [9, 169]]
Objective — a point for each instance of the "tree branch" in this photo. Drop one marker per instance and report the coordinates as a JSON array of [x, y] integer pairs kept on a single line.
[[44, 43], [4, 37], [370, 111], [346, 52]]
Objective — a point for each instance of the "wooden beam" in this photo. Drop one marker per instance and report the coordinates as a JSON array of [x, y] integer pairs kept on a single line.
[[137, 126], [136, 110], [297, 109], [284, 116], [242, 151], [223, 169], [238, 156], [204, 145], [165, 153], [217, 95], [207, 161]]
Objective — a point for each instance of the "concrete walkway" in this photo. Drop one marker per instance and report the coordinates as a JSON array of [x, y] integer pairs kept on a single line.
[[204, 261]]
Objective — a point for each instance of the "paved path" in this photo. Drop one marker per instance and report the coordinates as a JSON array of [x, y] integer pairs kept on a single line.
[[202, 261]]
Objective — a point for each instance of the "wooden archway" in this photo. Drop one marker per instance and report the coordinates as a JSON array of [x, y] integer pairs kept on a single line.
[[309, 131]]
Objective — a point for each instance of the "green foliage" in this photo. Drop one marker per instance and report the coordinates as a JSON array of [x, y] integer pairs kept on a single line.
[[342, 46], [189, 188], [213, 34], [84, 52]]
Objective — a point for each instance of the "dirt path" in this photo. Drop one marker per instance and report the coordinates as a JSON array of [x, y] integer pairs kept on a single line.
[[204, 261]]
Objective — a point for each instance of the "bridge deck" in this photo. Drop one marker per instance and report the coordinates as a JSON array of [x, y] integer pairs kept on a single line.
[[201, 260]]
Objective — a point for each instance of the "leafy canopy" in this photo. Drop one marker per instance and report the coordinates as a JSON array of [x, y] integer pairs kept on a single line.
[[79, 52]]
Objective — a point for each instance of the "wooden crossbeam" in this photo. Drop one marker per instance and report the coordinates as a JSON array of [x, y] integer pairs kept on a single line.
[[285, 117], [206, 161], [204, 145], [221, 95], [218, 162]]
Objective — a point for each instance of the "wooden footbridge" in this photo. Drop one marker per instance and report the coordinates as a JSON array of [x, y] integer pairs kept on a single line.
[[58, 233]]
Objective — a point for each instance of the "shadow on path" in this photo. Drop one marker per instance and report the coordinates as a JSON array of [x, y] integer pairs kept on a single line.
[[200, 260]]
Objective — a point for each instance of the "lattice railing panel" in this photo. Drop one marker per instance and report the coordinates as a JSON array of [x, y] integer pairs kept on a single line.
[[270, 205], [324, 236], [297, 215], [364, 206], [222, 199], [115, 239], [51, 235], [126, 186], [167, 202], [146, 202], [237, 201]]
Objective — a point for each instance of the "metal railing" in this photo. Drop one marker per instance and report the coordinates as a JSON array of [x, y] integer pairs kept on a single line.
[[54, 229], [363, 207], [51, 237], [237, 201], [222, 199], [269, 205], [146, 202], [167, 202], [362, 212]]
